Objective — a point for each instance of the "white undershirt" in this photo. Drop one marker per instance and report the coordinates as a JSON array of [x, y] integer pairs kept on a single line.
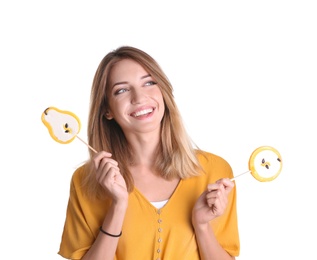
[[159, 204]]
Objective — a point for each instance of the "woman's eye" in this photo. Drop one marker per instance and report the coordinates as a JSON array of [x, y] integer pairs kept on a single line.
[[120, 91], [150, 83]]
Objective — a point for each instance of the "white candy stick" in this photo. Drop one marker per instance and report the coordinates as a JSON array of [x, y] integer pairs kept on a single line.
[[86, 144], [239, 175]]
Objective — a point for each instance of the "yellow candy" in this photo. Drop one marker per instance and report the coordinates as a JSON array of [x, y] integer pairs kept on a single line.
[[265, 163], [63, 126]]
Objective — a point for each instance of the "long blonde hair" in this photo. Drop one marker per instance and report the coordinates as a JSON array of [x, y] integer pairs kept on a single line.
[[176, 154]]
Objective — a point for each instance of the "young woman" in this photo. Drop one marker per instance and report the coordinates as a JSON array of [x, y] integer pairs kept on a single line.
[[148, 193]]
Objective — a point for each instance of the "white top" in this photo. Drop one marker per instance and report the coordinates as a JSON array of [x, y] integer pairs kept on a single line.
[[159, 204]]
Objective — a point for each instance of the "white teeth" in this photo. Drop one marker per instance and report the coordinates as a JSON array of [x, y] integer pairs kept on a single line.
[[143, 112]]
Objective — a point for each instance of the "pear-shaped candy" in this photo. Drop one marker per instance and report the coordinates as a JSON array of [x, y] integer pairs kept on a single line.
[[63, 126]]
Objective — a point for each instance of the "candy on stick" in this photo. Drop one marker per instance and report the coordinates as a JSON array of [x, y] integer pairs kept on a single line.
[[62, 125], [265, 164]]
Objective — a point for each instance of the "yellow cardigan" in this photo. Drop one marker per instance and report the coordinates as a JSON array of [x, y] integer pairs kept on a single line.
[[148, 232]]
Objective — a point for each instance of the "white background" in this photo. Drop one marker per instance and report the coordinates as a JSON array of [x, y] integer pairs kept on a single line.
[[244, 74]]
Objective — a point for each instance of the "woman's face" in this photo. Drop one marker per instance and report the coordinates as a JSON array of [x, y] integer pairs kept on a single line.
[[135, 100]]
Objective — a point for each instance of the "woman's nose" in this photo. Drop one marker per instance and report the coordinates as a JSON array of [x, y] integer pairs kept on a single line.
[[137, 96]]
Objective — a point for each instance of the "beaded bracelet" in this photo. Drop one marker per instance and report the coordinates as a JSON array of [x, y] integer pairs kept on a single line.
[[106, 233]]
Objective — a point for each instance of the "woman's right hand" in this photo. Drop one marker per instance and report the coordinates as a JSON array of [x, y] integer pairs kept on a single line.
[[109, 176]]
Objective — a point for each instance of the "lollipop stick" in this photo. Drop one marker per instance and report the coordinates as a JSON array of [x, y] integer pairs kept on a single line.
[[239, 175], [86, 144]]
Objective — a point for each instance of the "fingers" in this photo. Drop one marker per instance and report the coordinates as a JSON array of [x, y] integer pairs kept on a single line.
[[106, 167], [107, 175], [225, 182], [99, 157], [217, 194], [217, 197]]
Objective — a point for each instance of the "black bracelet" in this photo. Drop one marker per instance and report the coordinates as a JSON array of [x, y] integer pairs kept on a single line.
[[106, 233]]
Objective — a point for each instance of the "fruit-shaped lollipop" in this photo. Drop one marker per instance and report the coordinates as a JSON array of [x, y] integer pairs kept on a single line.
[[265, 164], [62, 125]]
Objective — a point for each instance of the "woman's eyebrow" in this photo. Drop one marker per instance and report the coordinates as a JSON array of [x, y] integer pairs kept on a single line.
[[146, 76], [119, 83], [126, 82]]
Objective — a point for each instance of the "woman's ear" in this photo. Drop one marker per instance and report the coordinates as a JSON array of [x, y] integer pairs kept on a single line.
[[108, 115]]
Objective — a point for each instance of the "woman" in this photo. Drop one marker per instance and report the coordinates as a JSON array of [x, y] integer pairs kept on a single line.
[[148, 193]]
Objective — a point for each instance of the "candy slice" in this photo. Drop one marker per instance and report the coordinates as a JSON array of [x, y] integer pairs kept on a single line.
[[265, 163], [63, 126]]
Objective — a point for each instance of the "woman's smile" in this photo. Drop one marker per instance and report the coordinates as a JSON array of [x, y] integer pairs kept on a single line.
[[142, 113]]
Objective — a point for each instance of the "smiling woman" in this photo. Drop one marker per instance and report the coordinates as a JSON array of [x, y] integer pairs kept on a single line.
[[149, 193], [135, 97]]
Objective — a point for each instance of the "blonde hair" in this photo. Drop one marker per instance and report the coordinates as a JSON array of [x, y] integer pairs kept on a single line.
[[176, 155]]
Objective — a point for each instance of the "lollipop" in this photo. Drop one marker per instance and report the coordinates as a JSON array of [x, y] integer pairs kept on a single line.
[[62, 125], [265, 164]]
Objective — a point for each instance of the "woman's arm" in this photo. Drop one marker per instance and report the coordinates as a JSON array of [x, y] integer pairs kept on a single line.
[[109, 176], [210, 205], [105, 245], [209, 248]]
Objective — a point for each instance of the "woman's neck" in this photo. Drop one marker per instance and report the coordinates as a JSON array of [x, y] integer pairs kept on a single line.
[[144, 150]]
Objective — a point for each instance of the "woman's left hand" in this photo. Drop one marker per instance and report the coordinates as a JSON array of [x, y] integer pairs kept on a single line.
[[213, 202]]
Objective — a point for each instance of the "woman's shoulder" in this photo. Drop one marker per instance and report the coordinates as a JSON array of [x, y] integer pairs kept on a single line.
[[214, 163], [79, 174], [207, 157]]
